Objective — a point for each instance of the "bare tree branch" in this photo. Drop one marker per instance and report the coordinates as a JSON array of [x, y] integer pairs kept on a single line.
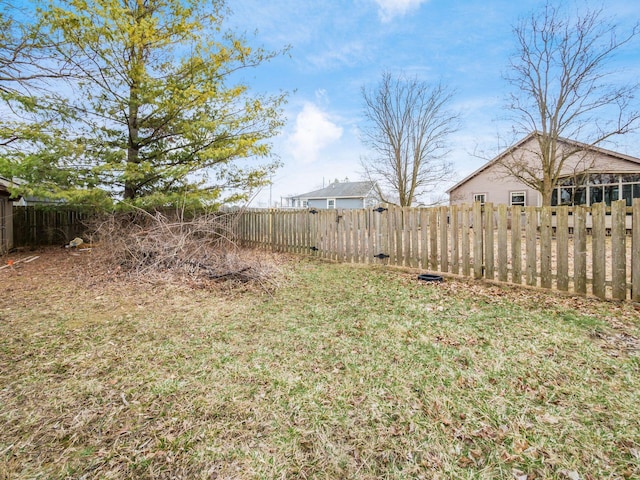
[[563, 88], [408, 125]]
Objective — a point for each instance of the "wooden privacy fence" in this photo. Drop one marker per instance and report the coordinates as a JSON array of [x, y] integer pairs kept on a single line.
[[586, 250], [47, 225]]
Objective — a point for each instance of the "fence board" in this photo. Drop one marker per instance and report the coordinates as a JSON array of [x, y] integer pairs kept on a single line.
[[406, 236], [440, 239], [546, 274], [619, 250], [580, 250], [635, 251], [433, 238], [414, 257], [385, 246], [466, 250], [598, 252], [478, 261], [443, 214], [489, 261], [455, 240], [531, 216], [516, 244], [503, 266], [562, 248]]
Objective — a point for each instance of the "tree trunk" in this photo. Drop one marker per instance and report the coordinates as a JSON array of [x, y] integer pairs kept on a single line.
[[133, 145], [547, 193]]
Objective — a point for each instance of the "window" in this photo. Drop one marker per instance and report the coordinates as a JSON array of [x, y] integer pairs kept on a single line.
[[480, 197], [596, 188], [331, 203], [305, 203], [518, 199]]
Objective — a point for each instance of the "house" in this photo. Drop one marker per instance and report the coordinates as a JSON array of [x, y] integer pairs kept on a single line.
[[591, 175], [6, 216], [337, 195]]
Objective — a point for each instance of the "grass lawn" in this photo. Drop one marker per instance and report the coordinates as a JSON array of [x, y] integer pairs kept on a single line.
[[341, 372]]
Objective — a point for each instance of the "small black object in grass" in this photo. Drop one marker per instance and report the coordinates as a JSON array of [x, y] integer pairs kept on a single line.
[[428, 277]]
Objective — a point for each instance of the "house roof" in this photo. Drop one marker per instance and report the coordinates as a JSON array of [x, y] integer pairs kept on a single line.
[[575, 143], [4, 186], [340, 190]]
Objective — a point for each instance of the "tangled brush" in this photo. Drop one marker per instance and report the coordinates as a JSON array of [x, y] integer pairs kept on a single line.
[[158, 247]]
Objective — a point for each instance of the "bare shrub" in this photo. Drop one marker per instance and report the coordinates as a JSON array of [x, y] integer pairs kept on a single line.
[[161, 247]]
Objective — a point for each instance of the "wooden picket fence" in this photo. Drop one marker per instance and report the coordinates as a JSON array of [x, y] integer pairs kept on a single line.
[[586, 250]]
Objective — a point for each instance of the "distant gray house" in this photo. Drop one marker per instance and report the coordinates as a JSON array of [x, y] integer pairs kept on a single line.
[[591, 175], [337, 195]]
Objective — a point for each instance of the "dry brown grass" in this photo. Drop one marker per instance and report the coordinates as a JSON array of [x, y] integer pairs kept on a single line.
[[342, 372]]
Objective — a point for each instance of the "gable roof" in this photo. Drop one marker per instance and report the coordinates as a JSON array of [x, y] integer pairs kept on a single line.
[[574, 143], [340, 190]]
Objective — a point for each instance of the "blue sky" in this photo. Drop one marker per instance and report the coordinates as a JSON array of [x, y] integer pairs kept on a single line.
[[339, 46]]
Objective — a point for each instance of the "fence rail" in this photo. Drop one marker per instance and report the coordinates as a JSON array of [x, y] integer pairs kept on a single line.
[[586, 250]]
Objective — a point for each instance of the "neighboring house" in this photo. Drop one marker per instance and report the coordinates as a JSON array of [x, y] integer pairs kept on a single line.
[[6, 216], [593, 175], [337, 195]]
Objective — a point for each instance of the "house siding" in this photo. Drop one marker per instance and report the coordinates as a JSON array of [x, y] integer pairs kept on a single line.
[[340, 203], [347, 195], [497, 184], [318, 203], [349, 203]]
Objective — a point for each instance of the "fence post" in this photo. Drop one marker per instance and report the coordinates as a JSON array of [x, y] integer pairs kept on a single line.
[[635, 251], [598, 234], [415, 237], [478, 260], [433, 238], [580, 250], [406, 236], [619, 249], [444, 239], [466, 252], [516, 244], [531, 214], [562, 248], [546, 239], [424, 240], [455, 239], [503, 270], [489, 261]]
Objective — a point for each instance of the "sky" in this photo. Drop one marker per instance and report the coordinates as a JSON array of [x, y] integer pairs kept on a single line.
[[337, 47]]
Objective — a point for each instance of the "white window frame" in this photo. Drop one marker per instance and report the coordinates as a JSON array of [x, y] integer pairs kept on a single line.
[[519, 193], [476, 198], [305, 203], [331, 203]]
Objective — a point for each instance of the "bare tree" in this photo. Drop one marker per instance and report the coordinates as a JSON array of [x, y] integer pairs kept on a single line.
[[407, 128], [565, 88]]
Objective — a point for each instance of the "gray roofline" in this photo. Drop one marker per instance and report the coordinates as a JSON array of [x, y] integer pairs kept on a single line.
[[305, 196]]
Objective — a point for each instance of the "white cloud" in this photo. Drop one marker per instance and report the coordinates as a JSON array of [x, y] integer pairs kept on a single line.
[[338, 55], [394, 8], [313, 132]]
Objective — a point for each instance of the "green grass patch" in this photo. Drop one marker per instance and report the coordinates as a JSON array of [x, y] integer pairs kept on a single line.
[[343, 372]]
